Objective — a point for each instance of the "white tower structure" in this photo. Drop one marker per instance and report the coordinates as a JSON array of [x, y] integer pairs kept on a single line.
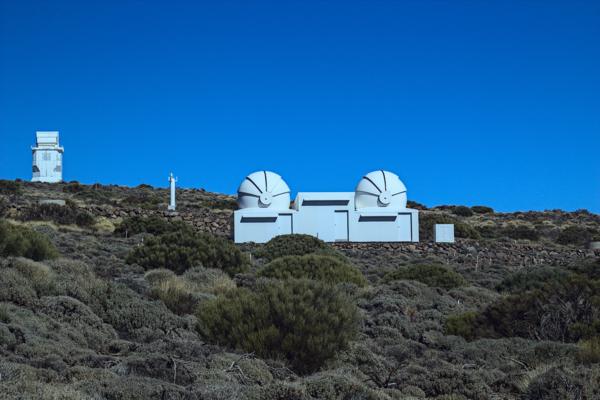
[[375, 212], [172, 181], [47, 158]]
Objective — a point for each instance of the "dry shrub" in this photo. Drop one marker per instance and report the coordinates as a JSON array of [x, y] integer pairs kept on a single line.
[[209, 280], [40, 276], [15, 288], [155, 276], [178, 295], [181, 294]]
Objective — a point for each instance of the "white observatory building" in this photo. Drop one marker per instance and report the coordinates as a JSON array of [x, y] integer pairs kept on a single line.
[[375, 212], [47, 158]]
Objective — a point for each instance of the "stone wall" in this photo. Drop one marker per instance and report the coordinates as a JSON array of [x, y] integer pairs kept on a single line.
[[481, 253], [218, 222]]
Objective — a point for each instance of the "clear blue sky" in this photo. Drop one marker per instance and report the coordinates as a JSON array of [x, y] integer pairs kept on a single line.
[[470, 102]]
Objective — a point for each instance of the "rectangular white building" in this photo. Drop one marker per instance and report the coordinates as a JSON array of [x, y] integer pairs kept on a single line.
[[47, 158], [375, 212]]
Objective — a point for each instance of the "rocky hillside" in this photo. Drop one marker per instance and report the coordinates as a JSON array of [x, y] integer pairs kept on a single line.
[[106, 295]]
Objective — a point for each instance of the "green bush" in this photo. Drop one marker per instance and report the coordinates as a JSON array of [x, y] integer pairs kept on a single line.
[[153, 225], [574, 235], [10, 187], [482, 210], [313, 266], [64, 215], [461, 229], [520, 232], [22, 241], [291, 245], [462, 211], [462, 325], [179, 251], [305, 322], [429, 274]]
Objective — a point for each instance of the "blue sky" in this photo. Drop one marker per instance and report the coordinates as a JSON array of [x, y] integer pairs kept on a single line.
[[470, 102]]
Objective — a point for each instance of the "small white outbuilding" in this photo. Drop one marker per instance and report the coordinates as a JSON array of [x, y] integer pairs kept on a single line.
[[375, 212], [47, 158], [443, 233]]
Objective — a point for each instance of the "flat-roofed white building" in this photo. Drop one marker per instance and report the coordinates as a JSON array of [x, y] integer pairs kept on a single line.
[[47, 163], [375, 212]]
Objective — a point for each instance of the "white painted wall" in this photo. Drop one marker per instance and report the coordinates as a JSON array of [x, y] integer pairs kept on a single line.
[[47, 158]]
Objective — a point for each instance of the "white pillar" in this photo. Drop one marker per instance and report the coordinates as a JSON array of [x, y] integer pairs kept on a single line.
[[172, 181]]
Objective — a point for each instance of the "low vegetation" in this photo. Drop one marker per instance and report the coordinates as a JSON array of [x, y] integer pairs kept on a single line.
[[144, 199], [430, 274], [530, 279], [69, 214], [482, 210], [218, 204], [575, 236], [520, 232], [291, 245], [10, 188], [3, 207], [301, 321], [92, 326], [461, 229], [153, 225], [323, 268], [546, 305], [182, 293], [23, 242], [462, 211], [184, 249]]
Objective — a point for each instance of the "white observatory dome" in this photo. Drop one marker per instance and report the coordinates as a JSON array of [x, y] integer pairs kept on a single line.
[[264, 189], [380, 189]]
